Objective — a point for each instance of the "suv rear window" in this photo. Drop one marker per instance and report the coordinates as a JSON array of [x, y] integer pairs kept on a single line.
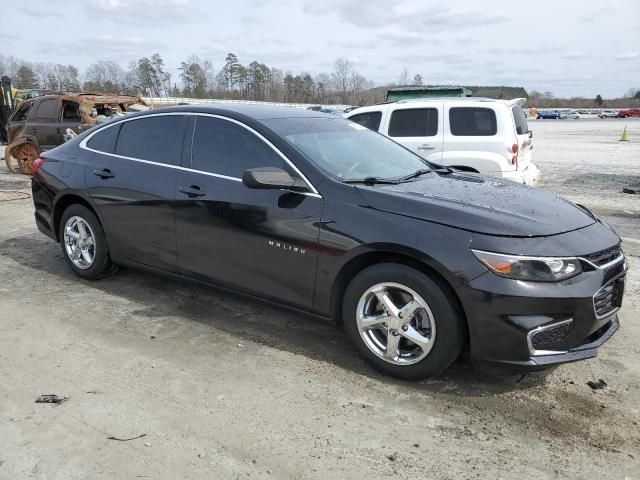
[[472, 121], [371, 120], [414, 122], [154, 138], [520, 120]]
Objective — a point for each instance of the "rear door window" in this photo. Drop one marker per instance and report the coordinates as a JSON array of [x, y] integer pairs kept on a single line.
[[154, 138], [371, 120], [414, 122], [472, 121], [520, 120], [225, 148], [48, 111]]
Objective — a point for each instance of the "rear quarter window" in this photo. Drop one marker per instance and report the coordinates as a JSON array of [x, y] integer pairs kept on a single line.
[[105, 139], [472, 121], [414, 122], [520, 120], [371, 120]]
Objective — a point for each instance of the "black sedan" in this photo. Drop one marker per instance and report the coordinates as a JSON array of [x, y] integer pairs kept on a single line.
[[322, 215]]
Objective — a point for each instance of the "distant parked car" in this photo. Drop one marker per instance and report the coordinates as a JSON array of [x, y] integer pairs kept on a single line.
[[584, 112], [549, 114], [629, 112], [571, 114], [608, 114]]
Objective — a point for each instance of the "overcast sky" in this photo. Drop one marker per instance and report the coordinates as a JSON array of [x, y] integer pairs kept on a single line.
[[570, 47]]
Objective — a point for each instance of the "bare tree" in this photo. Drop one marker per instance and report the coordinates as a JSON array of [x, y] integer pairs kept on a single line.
[[343, 70], [403, 79]]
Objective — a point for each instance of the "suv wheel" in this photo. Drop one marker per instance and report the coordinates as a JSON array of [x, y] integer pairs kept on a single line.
[[402, 321], [84, 244]]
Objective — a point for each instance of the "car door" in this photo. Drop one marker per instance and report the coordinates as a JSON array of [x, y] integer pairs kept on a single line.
[[419, 129], [263, 242], [45, 123], [131, 180]]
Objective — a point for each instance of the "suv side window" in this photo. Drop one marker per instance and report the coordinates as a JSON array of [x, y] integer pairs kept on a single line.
[[105, 139], [225, 148], [472, 121], [371, 120], [21, 114], [47, 110], [71, 112], [153, 138], [414, 122]]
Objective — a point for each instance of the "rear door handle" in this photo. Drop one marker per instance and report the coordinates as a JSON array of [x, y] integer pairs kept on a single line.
[[104, 173], [192, 191], [426, 146]]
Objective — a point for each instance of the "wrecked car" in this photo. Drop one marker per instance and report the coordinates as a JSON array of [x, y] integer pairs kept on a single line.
[[46, 121]]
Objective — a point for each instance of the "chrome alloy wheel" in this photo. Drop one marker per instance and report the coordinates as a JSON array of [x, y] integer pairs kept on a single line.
[[79, 242], [396, 323]]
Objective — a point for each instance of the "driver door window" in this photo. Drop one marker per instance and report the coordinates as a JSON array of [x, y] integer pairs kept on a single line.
[[224, 148]]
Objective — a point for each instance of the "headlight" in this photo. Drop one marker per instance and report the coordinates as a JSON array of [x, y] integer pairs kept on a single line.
[[533, 269]]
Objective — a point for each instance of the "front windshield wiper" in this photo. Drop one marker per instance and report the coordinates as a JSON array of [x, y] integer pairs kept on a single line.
[[371, 181], [416, 174]]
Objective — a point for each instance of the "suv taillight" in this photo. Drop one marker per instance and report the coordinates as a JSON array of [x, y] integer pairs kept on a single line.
[[38, 162], [514, 158]]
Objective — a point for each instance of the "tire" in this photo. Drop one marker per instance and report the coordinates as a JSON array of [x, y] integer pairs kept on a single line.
[[441, 320], [75, 217]]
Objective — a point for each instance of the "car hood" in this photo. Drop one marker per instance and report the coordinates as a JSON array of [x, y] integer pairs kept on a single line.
[[479, 204]]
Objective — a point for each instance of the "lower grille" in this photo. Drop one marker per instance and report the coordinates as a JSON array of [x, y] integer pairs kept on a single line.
[[547, 337], [608, 298]]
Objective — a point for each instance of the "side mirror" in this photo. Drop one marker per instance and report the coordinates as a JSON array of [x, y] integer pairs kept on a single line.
[[270, 178]]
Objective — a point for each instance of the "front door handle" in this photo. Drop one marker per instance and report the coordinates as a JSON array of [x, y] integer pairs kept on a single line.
[[426, 146], [104, 173], [192, 191]]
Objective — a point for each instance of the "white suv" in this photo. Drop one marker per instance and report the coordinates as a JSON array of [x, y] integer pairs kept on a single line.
[[473, 134]]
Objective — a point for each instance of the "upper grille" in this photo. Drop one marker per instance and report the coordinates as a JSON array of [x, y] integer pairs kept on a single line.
[[604, 256]]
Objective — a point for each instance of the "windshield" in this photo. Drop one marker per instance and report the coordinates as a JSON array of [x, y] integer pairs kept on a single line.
[[346, 150]]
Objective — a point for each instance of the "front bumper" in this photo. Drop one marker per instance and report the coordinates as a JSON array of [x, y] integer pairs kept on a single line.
[[522, 326]]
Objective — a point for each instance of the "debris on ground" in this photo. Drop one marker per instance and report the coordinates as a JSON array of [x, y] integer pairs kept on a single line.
[[50, 398], [632, 191], [127, 439], [599, 385]]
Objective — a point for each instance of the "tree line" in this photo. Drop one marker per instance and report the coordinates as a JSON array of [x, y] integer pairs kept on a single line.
[[197, 78]]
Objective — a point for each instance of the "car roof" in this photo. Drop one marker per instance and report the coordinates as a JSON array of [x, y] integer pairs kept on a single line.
[[418, 102], [258, 112]]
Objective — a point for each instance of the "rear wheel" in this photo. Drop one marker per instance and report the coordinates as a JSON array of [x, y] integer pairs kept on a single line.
[[84, 244], [403, 322]]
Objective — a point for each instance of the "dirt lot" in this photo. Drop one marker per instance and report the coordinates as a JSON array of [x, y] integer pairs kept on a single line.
[[226, 388]]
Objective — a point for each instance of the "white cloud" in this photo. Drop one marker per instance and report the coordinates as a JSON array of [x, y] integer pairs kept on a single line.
[[627, 56]]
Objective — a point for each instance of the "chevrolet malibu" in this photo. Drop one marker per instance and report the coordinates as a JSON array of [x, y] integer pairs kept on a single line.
[[316, 213]]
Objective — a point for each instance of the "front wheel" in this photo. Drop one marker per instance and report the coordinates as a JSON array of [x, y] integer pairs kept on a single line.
[[402, 321], [84, 244]]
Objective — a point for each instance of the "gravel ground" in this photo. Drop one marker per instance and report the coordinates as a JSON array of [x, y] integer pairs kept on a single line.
[[226, 388]]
